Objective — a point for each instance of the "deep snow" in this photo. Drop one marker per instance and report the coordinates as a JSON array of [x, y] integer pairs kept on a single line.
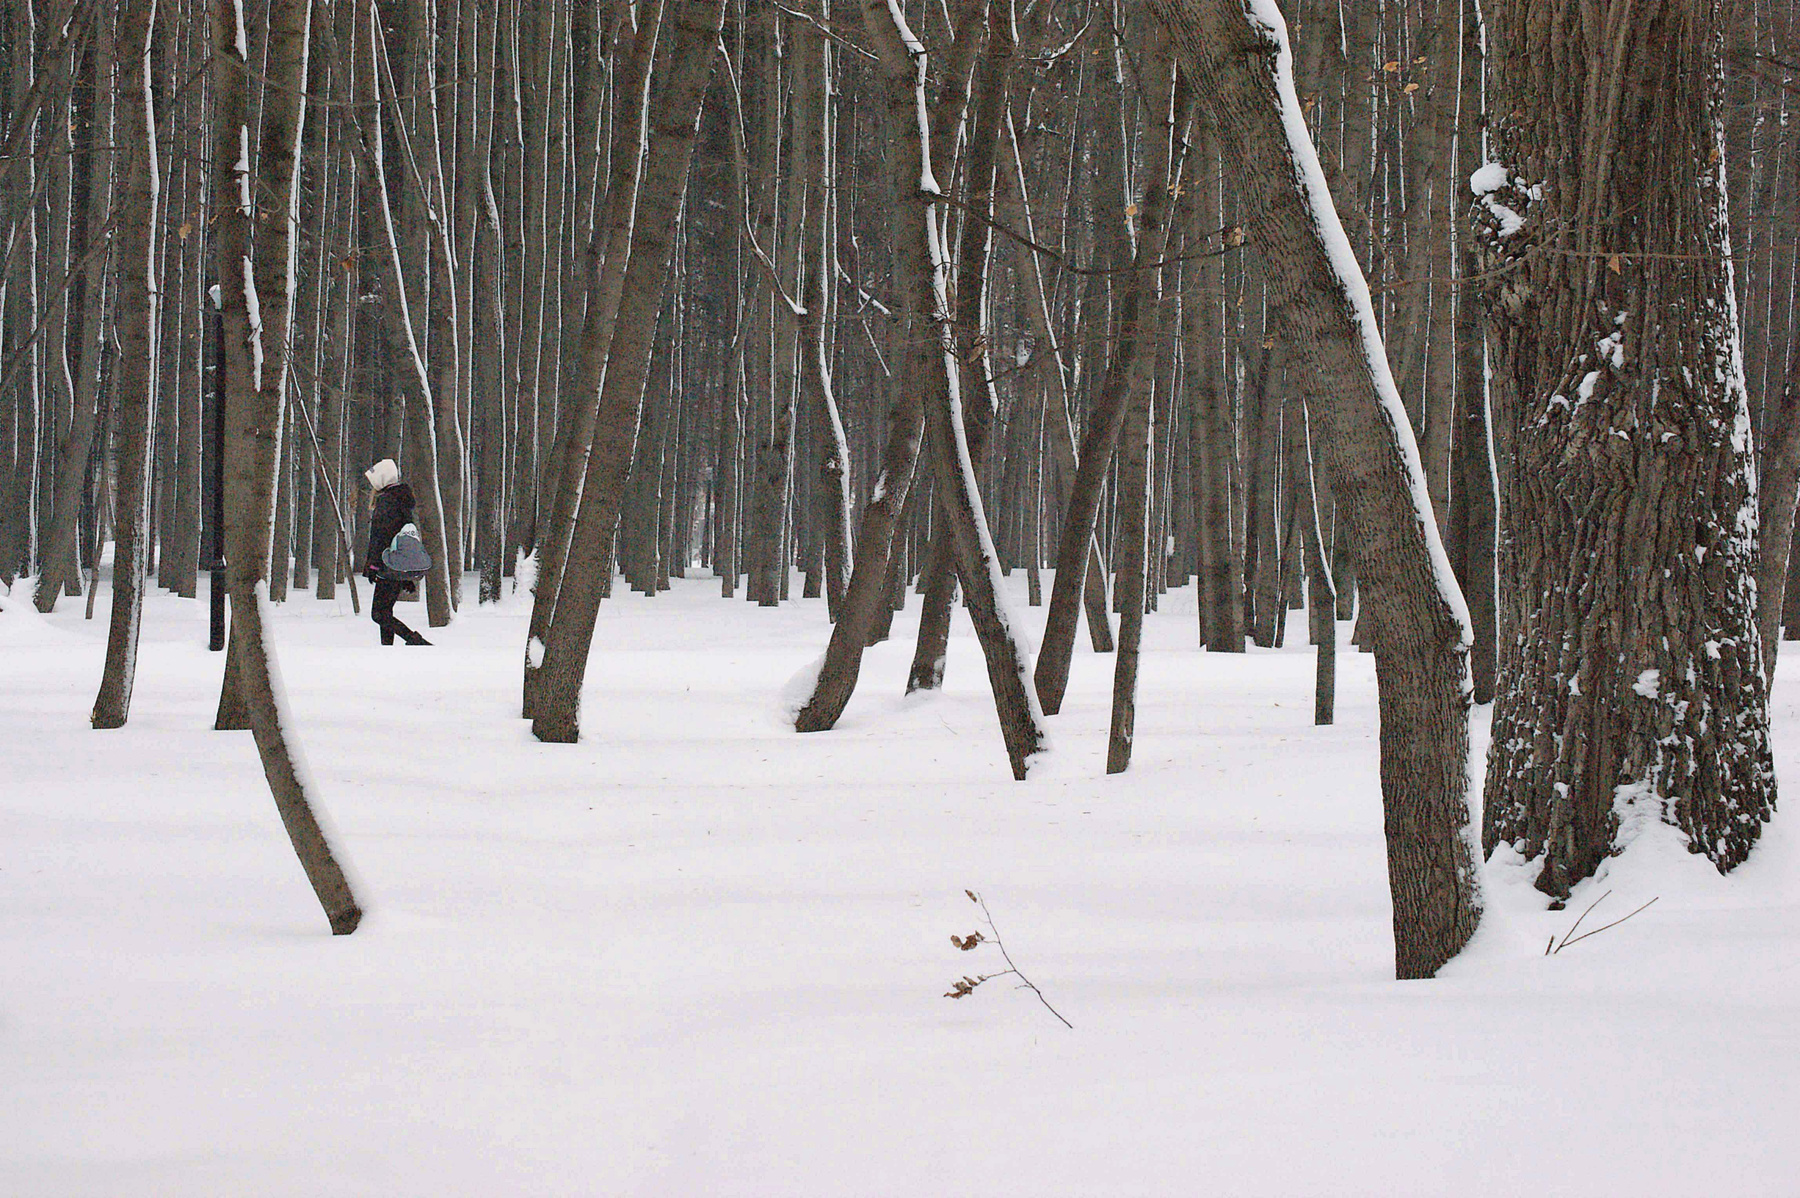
[[699, 954]]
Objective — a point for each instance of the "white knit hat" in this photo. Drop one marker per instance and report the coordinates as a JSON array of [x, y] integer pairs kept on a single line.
[[384, 473]]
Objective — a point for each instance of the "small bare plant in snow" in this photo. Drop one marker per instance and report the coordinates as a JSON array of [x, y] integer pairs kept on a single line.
[[1569, 937], [965, 985]]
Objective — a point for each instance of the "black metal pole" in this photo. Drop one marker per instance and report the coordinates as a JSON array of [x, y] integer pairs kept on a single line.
[[216, 640]]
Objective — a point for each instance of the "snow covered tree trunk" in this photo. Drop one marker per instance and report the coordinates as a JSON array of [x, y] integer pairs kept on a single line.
[[1236, 51], [253, 396], [1632, 687], [987, 100], [922, 267], [1474, 493], [136, 324], [812, 116]]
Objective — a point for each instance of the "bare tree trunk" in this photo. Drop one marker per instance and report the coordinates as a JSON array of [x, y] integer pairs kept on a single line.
[[1104, 424], [988, 101], [812, 83], [1243, 73], [1475, 494], [1220, 567], [139, 303], [1321, 593], [608, 258], [1015, 207], [1776, 490], [61, 558], [408, 363], [1163, 161], [487, 313], [253, 405], [675, 113], [922, 269]]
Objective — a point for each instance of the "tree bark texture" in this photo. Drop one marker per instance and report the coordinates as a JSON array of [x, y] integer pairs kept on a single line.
[[1632, 689]]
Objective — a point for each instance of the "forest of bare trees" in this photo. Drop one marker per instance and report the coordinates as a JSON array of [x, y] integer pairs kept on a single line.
[[1462, 322]]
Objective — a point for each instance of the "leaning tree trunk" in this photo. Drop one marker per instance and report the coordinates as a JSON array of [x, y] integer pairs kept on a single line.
[[255, 365], [1102, 435], [1132, 533], [1632, 685], [988, 95], [922, 269], [607, 256], [136, 322], [693, 27], [1237, 53]]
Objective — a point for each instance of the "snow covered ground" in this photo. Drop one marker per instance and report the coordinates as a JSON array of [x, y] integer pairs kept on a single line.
[[698, 954]]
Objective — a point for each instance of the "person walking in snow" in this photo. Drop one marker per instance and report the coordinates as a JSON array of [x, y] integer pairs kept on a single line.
[[391, 531]]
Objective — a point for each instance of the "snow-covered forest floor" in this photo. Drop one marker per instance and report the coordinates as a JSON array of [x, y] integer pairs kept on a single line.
[[698, 954]]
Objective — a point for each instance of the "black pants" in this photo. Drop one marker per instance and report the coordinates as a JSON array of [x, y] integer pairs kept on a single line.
[[381, 610]]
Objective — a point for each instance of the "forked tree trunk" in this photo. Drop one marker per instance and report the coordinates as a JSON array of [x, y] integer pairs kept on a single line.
[[987, 105], [136, 324], [922, 270], [1237, 53], [1097, 444], [1632, 688], [693, 29], [253, 413], [608, 255]]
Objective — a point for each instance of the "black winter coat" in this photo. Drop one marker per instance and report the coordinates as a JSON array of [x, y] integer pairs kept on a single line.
[[394, 507]]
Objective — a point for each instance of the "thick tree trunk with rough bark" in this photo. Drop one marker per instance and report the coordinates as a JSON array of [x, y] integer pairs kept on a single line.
[[1632, 687], [1237, 55]]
